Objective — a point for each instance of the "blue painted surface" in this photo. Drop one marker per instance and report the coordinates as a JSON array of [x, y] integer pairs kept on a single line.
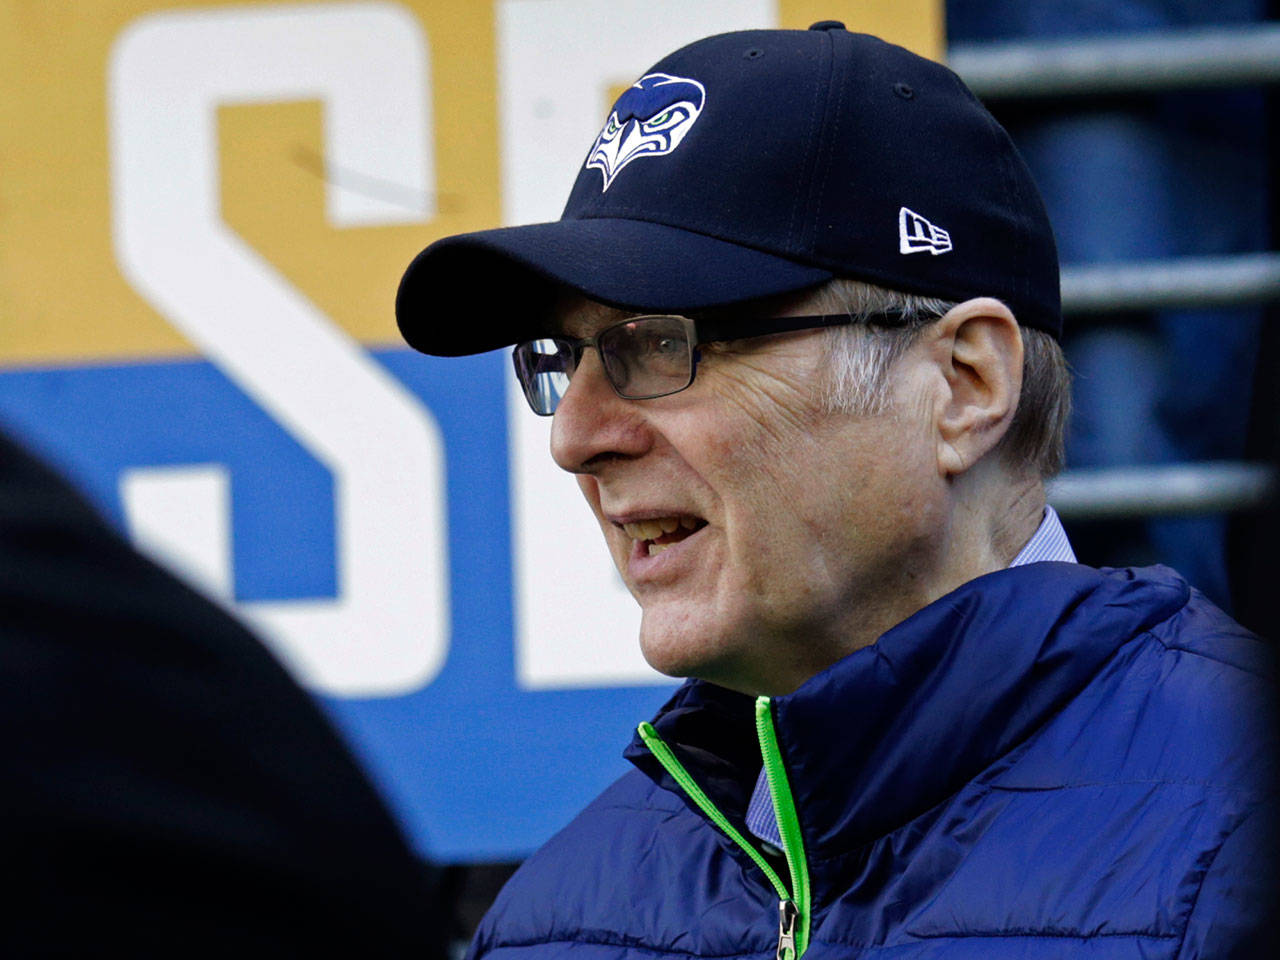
[[475, 768]]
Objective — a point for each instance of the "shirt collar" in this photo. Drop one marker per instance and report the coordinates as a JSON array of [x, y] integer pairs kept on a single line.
[[1049, 542]]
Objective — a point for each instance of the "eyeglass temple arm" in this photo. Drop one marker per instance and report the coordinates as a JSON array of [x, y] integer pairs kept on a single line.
[[737, 328]]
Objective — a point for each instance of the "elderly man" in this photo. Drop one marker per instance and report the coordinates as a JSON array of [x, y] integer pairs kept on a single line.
[[797, 329]]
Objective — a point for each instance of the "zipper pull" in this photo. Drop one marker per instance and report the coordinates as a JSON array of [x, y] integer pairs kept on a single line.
[[787, 915]]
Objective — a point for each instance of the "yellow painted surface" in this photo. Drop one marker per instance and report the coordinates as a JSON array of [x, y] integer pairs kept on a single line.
[[917, 25], [273, 180], [62, 296]]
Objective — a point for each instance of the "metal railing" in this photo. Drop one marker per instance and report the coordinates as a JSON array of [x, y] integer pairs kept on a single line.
[[1183, 488], [1133, 63], [1143, 64], [1233, 281]]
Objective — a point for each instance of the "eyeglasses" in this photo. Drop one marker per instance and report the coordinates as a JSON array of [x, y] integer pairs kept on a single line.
[[646, 357]]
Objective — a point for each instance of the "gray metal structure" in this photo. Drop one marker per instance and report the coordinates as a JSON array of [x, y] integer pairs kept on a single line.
[[1181, 488], [1145, 63], [1141, 64], [1234, 281]]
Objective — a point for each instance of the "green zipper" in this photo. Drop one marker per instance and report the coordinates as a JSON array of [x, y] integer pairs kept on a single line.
[[793, 911], [784, 809]]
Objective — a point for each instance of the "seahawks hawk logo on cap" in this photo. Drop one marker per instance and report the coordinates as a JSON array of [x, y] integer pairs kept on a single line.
[[649, 120]]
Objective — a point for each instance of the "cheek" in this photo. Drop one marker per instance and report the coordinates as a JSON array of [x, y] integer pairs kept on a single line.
[[902, 498], [751, 476], [873, 486], [591, 491], [590, 488], [760, 441]]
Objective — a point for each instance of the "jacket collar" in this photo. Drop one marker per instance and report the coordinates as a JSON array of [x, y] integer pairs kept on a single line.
[[894, 728]]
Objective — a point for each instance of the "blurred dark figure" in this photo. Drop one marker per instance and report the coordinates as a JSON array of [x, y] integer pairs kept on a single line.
[[169, 790]]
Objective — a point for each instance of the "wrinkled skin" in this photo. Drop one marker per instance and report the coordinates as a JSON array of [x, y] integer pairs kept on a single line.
[[821, 529]]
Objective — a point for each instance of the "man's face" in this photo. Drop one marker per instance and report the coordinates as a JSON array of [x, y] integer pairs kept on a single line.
[[781, 530]]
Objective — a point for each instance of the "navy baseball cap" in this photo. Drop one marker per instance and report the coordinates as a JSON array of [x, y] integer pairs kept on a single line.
[[754, 164]]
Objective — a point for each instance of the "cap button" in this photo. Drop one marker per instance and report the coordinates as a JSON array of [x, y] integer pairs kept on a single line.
[[828, 25]]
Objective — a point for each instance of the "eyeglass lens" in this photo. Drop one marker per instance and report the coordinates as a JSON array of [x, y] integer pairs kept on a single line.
[[643, 358], [543, 368], [648, 357]]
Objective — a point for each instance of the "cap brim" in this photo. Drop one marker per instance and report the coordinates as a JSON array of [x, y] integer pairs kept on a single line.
[[479, 291]]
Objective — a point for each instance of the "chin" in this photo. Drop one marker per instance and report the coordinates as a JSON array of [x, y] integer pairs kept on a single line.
[[676, 663], [687, 650], [675, 651]]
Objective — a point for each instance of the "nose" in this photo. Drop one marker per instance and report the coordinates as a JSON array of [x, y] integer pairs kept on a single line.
[[593, 426]]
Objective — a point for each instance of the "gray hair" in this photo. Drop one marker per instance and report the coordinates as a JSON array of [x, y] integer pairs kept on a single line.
[[862, 353]]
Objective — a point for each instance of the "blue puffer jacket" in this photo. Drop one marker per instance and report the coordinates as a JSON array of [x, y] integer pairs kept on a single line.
[[1051, 761]]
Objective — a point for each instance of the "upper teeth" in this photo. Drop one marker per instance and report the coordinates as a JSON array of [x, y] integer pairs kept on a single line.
[[652, 529]]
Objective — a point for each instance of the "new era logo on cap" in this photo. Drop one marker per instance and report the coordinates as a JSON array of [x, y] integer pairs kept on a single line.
[[915, 234]]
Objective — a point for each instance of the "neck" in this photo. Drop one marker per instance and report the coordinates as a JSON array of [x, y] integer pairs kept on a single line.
[[993, 514], [989, 516], [986, 518]]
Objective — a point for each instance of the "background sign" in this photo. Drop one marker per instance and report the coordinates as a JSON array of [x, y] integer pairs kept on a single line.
[[204, 212]]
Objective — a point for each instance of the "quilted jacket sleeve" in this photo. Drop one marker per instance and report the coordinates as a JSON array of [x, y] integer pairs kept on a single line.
[[1234, 914]]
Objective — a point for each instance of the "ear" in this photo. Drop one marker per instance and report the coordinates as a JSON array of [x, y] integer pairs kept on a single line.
[[978, 349]]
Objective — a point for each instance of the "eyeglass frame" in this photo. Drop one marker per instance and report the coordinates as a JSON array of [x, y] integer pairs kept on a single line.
[[697, 333]]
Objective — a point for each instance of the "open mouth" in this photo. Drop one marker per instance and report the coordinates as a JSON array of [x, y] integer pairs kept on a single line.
[[660, 533]]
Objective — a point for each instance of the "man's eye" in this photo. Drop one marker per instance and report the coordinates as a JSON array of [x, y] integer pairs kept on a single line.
[[664, 346]]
